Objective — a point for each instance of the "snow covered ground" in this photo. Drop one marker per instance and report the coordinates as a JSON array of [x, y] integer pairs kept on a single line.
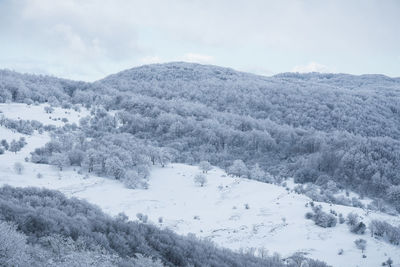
[[274, 219]]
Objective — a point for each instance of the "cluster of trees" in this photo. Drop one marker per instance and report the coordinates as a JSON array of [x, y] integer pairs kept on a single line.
[[310, 126], [14, 146], [386, 231], [322, 218], [103, 151], [21, 126], [44, 228]]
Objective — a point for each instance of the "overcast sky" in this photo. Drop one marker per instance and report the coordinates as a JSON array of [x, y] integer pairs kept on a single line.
[[88, 39]]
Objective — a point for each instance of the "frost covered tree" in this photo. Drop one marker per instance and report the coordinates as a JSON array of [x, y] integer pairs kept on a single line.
[[114, 167], [238, 168], [13, 248], [200, 179], [361, 244], [164, 157], [15, 146], [132, 179], [205, 166], [257, 173], [59, 160]]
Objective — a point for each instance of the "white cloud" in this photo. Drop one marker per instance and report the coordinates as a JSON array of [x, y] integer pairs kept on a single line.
[[312, 67], [150, 60], [94, 38], [198, 58]]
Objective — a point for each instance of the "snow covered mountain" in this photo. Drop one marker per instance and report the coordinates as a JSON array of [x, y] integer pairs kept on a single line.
[[233, 212]]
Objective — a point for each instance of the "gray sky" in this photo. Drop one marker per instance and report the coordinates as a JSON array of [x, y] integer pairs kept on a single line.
[[87, 39]]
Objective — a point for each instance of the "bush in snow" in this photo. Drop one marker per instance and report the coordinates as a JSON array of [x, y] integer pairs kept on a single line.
[[358, 228], [1, 151], [321, 218], [143, 218], [48, 110], [5, 144], [132, 179], [388, 262], [205, 166], [18, 167], [200, 179], [324, 219]]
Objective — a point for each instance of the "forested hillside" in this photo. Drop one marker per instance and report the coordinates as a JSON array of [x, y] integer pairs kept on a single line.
[[318, 128]]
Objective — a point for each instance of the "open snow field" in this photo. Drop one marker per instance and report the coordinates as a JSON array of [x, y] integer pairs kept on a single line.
[[274, 219]]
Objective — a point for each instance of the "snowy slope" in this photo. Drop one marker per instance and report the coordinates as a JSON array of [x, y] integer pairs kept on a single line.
[[36, 112], [274, 221]]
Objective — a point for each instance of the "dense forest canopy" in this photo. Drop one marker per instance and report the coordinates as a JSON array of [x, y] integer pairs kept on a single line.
[[314, 127]]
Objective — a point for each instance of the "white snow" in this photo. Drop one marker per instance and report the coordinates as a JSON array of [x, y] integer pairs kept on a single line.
[[19, 111], [274, 221]]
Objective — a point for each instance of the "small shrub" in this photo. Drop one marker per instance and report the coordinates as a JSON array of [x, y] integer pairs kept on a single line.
[[143, 218], [39, 175], [358, 228], [5, 144], [309, 215], [200, 179], [18, 167]]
